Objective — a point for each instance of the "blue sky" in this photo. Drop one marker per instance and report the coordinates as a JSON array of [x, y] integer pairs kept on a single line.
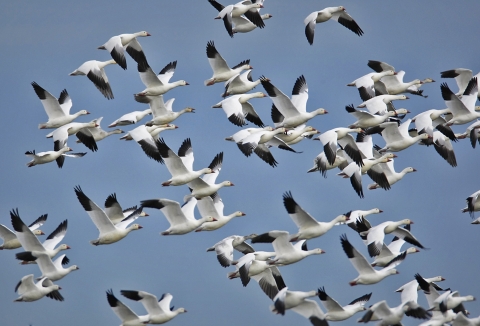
[[44, 42]]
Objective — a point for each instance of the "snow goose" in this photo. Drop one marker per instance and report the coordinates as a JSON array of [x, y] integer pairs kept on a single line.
[[463, 109], [51, 269], [224, 248], [442, 145], [396, 137], [180, 166], [386, 171], [353, 172], [115, 212], [392, 316], [30, 242], [445, 301], [356, 215], [58, 110], [207, 186], [247, 8], [93, 69], [336, 312], [365, 84], [430, 280], [146, 142], [60, 136], [221, 71], [367, 275], [10, 240], [126, 315], [462, 77], [293, 110], [291, 135], [473, 203], [240, 84], [97, 132], [159, 311], [337, 13], [259, 143], [473, 132], [214, 207], [376, 234], [117, 45], [248, 266], [243, 25], [237, 108], [181, 219], [415, 89], [330, 139], [298, 302], [158, 84], [285, 252], [308, 227], [394, 84], [387, 253], [428, 120], [153, 130], [109, 233], [50, 156], [381, 104], [367, 119], [320, 163], [130, 118], [30, 291], [162, 111]]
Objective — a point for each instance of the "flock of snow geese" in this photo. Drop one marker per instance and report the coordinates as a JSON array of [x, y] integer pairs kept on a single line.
[[354, 156]]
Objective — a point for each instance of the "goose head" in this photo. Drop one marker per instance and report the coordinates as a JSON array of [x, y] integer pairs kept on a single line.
[[238, 214], [210, 219], [266, 16], [63, 247], [83, 112], [320, 111], [412, 250], [134, 227], [142, 34], [188, 110], [38, 232], [227, 184], [207, 171], [401, 111], [181, 83]]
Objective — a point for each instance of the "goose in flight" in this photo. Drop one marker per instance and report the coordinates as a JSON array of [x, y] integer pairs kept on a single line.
[[117, 45], [336, 13]]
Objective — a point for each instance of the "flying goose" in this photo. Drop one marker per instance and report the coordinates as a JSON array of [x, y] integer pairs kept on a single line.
[[30, 291], [10, 240], [247, 8], [58, 110], [162, 112], [50, 156], [336, 312], [117, 45], [126, 315], [95, 71], [224, 248], [337, 13], [158, 84]]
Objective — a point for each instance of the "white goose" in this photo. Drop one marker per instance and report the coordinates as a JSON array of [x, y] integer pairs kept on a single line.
[[206, 186], [285, 252], [356, 215], [154, 131], [247, 8], [109, 233], [115, 212], [308, 227], [162, 111], [462, 77], [10, 240], [93, 69], [365, 84], [330, 139], [97, 132], [367, 119], [298, 302], [147, 142], [367, 275], [117, 45], [463, 110], [58, 110], [290, 136], [237, 108], [387, 171], [130, 118], [52, 269], [387, 253], [224, 248], [221, 71], [293, 110], [30, 291], [180, 166], [473, 203], [336, 13], [380, 104], [159, 311], [243, 25], [394, 84], [158, 84], [214, 207], [240, 84], [182, 219], [126, 315], [472, 132], [397, 137], [321, 164], [248, 266], [336, 312], [50, 156], [60, 136], [393, 316], [30, 242]]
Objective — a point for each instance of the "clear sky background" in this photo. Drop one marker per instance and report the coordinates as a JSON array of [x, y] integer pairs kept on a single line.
[[45, 41]]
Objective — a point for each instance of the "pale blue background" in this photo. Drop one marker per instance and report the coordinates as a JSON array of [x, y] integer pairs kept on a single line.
[[45, 41]]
